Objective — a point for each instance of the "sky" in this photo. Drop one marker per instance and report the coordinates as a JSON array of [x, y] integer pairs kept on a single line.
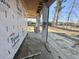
[[64, 12], [31, 19]]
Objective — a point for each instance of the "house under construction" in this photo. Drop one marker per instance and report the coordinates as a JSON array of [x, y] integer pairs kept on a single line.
[[17, 43]]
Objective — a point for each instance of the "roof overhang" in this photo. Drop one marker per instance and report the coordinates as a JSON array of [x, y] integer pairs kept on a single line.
[[34, 6]]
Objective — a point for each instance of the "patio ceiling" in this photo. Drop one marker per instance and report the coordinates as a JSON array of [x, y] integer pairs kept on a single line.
[[34, 6]]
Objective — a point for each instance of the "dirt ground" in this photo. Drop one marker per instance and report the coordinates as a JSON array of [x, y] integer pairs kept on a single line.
[[54, 29], [31, 45]]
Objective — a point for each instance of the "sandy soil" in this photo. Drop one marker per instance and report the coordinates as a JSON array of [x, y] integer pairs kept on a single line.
[[53, 29]]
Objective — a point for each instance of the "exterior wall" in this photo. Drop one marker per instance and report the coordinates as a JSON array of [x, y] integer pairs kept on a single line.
[[12, 28]]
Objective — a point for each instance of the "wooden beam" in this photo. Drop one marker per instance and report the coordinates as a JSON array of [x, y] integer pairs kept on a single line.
[[51, 1], [33, 55]]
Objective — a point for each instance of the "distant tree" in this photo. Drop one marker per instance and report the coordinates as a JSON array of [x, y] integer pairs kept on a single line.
[[54, 17], [69, 14], [58, 8]]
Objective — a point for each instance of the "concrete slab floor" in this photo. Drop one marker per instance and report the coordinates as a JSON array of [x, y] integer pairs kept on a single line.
[[31, 45]]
